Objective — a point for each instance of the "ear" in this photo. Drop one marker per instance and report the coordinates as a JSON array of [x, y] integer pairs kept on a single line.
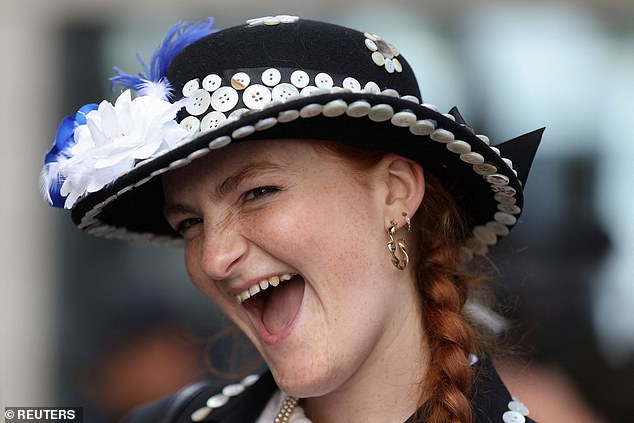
[[405, 187]]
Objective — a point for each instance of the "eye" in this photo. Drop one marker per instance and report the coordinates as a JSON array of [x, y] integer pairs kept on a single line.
[[187, 224], [260, 192]]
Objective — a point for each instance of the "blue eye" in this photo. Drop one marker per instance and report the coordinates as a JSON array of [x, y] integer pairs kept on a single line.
[[259, 192], [186, 224]]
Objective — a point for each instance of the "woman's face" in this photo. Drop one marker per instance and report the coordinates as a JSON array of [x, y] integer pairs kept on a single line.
[[267, 213]]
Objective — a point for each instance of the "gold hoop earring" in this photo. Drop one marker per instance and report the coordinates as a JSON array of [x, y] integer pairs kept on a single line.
[[399, 263], [408, 222]]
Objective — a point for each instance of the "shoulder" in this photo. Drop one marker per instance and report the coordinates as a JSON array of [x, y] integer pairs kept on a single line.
[[206, 402], [491, 400]]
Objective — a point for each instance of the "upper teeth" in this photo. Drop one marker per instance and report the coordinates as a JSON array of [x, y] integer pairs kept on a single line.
[[261, 286]]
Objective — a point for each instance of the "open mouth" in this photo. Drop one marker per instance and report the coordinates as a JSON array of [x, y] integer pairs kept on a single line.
[[274, 303]]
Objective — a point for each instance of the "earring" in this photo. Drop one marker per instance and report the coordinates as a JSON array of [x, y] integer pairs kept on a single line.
[[399, 263]]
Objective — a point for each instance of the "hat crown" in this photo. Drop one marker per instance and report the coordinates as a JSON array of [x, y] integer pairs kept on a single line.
[[310, 46]]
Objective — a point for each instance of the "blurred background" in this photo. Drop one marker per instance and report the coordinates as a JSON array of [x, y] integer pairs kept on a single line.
[[78, 312]]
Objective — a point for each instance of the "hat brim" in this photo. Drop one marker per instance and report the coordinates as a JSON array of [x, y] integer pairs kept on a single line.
[[131, 206]]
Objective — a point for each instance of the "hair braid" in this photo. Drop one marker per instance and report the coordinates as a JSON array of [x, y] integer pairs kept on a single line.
[[443, 291]]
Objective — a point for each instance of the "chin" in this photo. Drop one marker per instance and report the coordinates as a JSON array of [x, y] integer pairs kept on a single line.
[[304, 382]]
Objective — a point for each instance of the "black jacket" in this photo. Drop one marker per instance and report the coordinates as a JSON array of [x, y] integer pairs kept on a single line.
[[490, 400]]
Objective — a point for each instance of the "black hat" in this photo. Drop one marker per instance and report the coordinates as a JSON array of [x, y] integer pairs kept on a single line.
[[277, 77]]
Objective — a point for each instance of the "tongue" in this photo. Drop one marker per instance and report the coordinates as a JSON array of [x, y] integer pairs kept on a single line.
[[282, 305]]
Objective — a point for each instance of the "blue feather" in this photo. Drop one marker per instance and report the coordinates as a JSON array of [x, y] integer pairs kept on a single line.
[[178, 37]]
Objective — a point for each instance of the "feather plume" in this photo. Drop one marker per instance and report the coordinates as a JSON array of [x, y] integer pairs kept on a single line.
[[153, 81]]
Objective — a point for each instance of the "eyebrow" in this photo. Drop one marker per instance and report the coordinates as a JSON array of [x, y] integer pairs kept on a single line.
[[229, 184]]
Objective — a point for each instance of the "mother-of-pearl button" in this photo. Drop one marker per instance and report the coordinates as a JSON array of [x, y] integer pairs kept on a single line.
[[190, 124], [212, 120], [403, 119], [505, 218], [323, 80], [220, 142], [308, 91], [485, 235], [212, 82], [265, 124], [504, 189], [513, 417], [411, 98], [509, 208], [519, 407], [484, 169], [459, 147], [311, 110], [224, 99], [371, 45], [287, 116], [271, 77], [398, 67], [390, 92], [372, 88], [381, 113], [358, 108], [190, 87], [503, 198], [497, 179], [431, 107], [200, 414], [335, 108], [352, 84], [472, 158], [284, 91], [389, 65], [300, 79], [240, 81], [484, 139], [442, 135], [378, 58], [245, 131], [423, 127], [498, 228], [233, 390], [217, 401], [256, 96], [198, 103], [237, 113]]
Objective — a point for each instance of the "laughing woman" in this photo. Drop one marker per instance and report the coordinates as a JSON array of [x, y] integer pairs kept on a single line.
[[321, 205]]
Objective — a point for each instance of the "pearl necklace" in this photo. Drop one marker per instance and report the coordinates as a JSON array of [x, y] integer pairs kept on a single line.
[[286, 410]]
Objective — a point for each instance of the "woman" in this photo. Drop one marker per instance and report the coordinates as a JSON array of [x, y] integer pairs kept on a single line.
[[286, 155]]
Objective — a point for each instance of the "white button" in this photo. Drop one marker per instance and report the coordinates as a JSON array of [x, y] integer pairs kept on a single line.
[[190, 87], [212, 120], [371, 45], [495, 150], [472, 158], [442, 135], [403, 119], [311, 110], [373, 37], [449, 116], [411, 98], [198, 102], [486, 235], [497, 179], [284, 91], [352, 84], [509, 208], [372, 88], [502, 198], [390, 93], [378, 58], [398, 67], [287, 18], [245, 131], [335, 108], [200, 414], [498, 228], [431, 107], [389, 65], [504, 189], [484, 169], [513, 417], [287, 116], [307, 91], [505, 218], [423, 127], [212, 82], [272, 21], [233, 390], [265, 124], [256, 96], [323, 80], [224, 99], [459, 147], [240, 81], [236, 114], [381, 113], [190, 124], [300, 79], [219, 143], [484, 139], [358, 108], [217, 401], [519, 407], [271, 77], [508, 162]]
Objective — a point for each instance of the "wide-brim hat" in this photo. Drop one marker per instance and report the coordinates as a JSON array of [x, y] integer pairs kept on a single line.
[[274, 78]]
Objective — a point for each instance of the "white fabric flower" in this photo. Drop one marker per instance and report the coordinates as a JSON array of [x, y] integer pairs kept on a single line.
[[115, 138]]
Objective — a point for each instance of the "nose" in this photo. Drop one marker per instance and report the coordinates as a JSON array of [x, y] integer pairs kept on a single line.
[[222, 252]]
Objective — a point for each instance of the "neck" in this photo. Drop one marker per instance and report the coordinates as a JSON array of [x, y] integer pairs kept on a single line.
[[387, 387]]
